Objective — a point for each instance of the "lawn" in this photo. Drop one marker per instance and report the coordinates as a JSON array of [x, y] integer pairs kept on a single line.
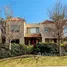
[[34, 61]]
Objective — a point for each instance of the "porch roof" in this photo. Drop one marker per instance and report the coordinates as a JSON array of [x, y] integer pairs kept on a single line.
[[33, 35]]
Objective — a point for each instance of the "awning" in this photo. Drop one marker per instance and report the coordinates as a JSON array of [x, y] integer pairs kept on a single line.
[[33, 35]]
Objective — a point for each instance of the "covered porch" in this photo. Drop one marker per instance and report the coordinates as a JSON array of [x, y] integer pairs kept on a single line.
[[32, 39]]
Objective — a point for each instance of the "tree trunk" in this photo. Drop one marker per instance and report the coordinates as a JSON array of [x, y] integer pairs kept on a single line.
[[59, 47], [9, 44], [60, 53]]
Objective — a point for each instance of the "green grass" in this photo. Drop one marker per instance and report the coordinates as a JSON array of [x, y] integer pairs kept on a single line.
[[31, 61]]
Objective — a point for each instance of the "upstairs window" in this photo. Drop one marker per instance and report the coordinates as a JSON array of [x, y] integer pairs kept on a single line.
[[46, 29], [37, 30], [15, 28], [65, 31], [33, 30]]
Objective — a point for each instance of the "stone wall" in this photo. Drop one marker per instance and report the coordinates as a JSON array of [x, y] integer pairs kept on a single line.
[[45, 34], [15, 35]]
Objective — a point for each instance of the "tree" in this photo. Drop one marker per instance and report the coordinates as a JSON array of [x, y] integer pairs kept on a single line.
[[10, 30], [7, 31], [9, 14], [8, 11], [59, 16]]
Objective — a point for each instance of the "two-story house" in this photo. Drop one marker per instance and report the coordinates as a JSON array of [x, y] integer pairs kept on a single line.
[[18, 31]]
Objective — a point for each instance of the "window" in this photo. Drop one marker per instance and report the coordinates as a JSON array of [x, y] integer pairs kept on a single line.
[[37, 30], [15, 28], [15, 41], [33, 30], [47, 29], [65, 31]]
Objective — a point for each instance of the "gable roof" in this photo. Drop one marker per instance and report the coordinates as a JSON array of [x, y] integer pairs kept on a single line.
[[47, 22], [15, 19]]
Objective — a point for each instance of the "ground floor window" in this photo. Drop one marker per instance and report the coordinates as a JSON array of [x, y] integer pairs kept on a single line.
[[15, 41], [3, 40], [50, 40]]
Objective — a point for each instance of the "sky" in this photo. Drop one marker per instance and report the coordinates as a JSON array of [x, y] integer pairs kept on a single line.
[[33, 11]]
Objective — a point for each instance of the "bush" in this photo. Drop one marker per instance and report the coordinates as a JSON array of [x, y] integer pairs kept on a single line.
[[64, 49], [16, 50], [4, 52], [46, 49], [22, 49], [29, 49]]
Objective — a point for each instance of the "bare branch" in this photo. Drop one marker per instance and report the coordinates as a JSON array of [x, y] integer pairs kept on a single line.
[[8, 11]]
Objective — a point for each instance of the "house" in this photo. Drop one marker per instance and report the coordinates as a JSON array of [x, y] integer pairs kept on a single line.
[[18, 31]]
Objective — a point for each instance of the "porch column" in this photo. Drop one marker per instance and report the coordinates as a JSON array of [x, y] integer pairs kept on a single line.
[[36, 41], [29, 42], [21, 40], [43, 40]]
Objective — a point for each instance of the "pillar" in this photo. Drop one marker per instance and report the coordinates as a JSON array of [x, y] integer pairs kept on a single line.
[[29, 42], [43, 40], [21, 40]]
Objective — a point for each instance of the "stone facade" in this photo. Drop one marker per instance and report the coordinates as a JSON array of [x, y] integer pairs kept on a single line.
[[15, 34], [46, 34], [22, 34]]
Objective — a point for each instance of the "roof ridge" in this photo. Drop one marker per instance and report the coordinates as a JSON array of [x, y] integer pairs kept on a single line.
[[47, 21]]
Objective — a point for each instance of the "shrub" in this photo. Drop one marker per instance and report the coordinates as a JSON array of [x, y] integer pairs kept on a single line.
[[4, 52], [29, 49], [18, 49], [21, 49], [64, 48], [46, 48]]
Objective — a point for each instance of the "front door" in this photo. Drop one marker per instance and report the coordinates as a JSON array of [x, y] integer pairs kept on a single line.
[[32, 41]]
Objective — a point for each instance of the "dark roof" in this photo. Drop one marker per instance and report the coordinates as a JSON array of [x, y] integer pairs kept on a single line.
[[15, 19], [47, 21]]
